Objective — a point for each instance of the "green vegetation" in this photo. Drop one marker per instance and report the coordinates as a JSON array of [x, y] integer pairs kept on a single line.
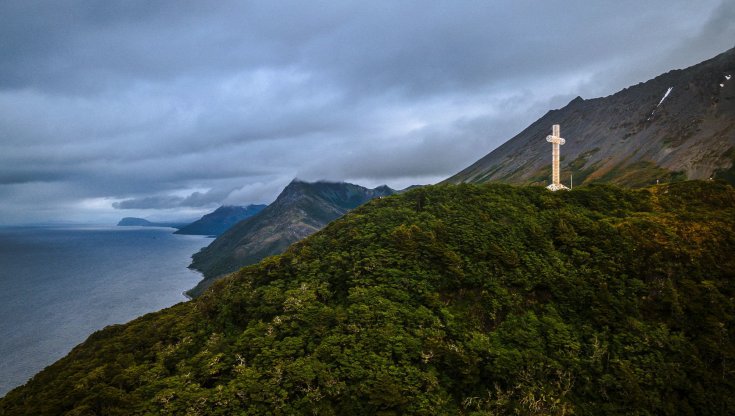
[[579, 167], [474, 300], [300, 210], [540, 177], [641, 173]]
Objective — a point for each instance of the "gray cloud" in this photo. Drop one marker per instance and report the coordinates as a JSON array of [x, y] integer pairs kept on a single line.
[[197, 199], [170, 108], [720, 25], [203, 199], [149, 202]]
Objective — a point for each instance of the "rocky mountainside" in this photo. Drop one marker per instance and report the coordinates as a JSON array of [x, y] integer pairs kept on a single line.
[[679, 125], [220, 220], [301, 209], [445, 300]]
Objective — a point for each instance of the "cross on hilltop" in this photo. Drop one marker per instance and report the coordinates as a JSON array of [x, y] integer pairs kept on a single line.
[[556, 140]]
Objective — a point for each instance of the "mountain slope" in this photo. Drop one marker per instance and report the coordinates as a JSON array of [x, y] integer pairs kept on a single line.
[[301, 209], [680, 125], [220, 220], [445, 300]]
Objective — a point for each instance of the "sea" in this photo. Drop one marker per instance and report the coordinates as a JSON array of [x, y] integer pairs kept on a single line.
[[59, 284]]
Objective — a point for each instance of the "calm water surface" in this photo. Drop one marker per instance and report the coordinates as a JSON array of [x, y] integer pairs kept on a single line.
[[60, 284]]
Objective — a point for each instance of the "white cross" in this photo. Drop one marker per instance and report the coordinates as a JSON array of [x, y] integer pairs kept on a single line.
[[556, 140]]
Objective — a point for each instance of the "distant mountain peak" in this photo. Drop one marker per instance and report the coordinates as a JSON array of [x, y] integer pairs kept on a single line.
[[384, 188], [576, 100]]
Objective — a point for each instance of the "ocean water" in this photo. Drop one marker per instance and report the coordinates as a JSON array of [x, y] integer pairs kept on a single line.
[[60, 284]]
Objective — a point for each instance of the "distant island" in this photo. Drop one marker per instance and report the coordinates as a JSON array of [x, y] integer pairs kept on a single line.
[[141, 222]]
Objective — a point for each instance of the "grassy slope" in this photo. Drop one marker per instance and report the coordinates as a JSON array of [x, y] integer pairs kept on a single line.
[[445, 300]]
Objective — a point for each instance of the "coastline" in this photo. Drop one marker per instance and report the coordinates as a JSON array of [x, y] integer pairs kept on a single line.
[[60, 284]]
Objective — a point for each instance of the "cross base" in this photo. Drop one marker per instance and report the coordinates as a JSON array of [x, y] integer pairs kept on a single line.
[[556, 187]]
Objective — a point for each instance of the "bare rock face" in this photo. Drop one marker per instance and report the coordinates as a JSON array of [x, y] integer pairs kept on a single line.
[[679, 125]]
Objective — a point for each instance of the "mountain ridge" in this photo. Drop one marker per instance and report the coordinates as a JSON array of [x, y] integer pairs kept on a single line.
[[678, 125], [220, 220], [301, 209]]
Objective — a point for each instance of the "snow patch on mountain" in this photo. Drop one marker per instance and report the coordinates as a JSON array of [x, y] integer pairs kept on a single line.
[[665, 95]]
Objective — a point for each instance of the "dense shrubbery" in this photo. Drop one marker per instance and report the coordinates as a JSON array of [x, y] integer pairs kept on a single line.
[[474, 300]]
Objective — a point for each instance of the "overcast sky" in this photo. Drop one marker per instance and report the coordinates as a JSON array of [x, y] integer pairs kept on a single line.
[[167, 109]]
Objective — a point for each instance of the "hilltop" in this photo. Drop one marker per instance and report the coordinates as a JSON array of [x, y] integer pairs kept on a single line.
[[469, 299], [300, 210], [677, 126]]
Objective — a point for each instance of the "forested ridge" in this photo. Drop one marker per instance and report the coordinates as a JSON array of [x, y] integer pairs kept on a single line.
[[467, 299], [301, 209]]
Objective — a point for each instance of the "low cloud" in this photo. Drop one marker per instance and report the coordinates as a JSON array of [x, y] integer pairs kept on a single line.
[[149, 202], [196, 199], [202, 199]]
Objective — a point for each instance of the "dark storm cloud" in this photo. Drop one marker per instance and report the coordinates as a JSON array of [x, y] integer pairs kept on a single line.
[[171, 108]]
